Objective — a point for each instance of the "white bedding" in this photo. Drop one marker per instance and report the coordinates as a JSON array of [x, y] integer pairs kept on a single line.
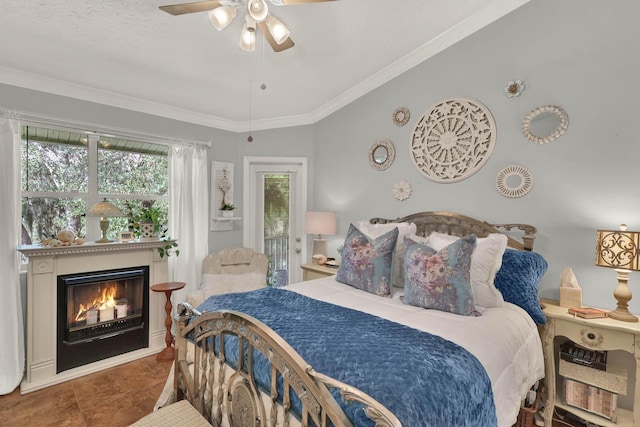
[[504, 339]]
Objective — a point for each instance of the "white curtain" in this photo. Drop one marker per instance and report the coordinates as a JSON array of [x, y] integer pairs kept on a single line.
[[11, 326], [188, 215]]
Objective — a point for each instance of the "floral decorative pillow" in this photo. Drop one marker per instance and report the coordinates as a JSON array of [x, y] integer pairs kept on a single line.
[[440, 280], [366, 262], [485, 263], [405, 229]]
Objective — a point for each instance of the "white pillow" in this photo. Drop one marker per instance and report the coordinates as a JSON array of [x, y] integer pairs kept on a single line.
[[216, 284], [405, 229], [485, 263]]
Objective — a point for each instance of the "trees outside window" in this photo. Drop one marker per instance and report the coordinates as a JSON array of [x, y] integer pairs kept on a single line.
[[65, 171], [276, 220]]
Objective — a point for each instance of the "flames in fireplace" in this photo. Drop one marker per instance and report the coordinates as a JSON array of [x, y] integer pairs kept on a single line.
[[102, 307]]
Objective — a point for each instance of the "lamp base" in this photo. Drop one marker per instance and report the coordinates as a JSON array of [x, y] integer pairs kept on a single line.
[[319, 247], [623, 315], [104, 240], [622, 294], [104, 226]]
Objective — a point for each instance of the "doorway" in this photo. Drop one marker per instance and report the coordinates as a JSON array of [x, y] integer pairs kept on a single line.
[[275, 201]]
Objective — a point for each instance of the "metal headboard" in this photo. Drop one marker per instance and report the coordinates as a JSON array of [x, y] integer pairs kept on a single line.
[[460, 225]]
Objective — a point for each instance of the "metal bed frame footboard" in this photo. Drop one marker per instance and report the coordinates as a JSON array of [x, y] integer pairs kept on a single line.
[[227, 395]]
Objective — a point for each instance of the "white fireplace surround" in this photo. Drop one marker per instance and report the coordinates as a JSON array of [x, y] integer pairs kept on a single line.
[[45, 265]]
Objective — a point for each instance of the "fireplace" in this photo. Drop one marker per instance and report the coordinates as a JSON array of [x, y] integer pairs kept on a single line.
[[101, 314]]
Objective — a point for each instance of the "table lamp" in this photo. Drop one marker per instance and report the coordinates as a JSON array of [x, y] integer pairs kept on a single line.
[[320, 222], [619, 250], [104, 210]]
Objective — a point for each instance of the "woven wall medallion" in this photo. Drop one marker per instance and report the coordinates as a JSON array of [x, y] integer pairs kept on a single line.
[[401, 116], [453, 140], [514, 181]]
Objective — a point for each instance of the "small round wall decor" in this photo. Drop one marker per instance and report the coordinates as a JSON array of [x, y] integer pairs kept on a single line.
[[453, 140], [514, 181], [402, 190], [401, 116]]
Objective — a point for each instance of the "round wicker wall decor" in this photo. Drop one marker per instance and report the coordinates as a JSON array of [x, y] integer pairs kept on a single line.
[[514, 181], [453, 140]]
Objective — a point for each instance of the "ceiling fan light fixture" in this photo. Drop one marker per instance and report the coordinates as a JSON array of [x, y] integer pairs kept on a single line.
[[248, 38], [222, 16], [278, 30], [258, 9]]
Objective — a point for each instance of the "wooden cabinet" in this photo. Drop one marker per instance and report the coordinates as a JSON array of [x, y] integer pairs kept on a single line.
[[619, 339], [315, 271]]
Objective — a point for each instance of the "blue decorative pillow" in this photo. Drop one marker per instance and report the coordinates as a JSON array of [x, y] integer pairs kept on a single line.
[[366, 263], [518, 280], [440, 280]]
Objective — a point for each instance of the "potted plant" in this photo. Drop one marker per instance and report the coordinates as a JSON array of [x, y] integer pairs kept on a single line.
[[148, 222], [151, 224], [226, 210]]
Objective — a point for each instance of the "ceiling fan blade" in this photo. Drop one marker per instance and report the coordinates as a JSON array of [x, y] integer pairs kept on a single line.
[[199, 6], [303, 1], [287, 44]]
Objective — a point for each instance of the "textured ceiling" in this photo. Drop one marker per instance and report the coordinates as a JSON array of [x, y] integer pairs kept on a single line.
[[130, 54]]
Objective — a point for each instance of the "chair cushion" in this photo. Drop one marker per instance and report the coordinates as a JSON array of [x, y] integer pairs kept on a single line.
[[180, 413]]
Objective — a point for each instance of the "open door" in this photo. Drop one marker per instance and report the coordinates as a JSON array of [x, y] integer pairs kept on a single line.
[[275, 201]]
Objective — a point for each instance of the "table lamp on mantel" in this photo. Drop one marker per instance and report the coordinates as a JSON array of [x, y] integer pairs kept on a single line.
[[320, 222], [104, 210], [619, 249]]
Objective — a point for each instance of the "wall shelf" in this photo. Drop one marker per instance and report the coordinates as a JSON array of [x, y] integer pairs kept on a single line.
[[223, 223]]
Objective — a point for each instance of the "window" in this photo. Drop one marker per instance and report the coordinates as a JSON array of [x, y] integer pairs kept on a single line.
[[64, 172]]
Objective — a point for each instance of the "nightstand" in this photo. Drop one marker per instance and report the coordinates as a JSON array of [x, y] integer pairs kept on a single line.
[[315, 271], [620, 339]]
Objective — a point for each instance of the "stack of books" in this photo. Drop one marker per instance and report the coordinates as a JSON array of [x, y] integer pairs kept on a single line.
[[587, 312], [590, 398]]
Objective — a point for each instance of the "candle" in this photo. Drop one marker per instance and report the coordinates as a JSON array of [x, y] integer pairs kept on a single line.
[[92, 317], [106, 314], [121, 308]]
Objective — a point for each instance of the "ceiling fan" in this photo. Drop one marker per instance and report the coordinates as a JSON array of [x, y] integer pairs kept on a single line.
[[222, 12]]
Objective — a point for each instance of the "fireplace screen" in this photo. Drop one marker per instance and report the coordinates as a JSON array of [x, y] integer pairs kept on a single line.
[[101, 314]]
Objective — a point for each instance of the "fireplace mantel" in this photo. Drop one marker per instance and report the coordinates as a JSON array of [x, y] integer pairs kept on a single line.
[[45, 251], [45, 265]]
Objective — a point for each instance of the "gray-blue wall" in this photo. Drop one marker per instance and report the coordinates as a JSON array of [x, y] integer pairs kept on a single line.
[[580, 55], [574, 54]]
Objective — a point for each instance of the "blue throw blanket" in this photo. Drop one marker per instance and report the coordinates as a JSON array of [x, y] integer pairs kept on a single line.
[[423, 379]]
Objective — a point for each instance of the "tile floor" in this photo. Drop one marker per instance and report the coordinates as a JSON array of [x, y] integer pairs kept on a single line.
[[114, 397]]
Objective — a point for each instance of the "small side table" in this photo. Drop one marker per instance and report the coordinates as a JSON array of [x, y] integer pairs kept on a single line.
[[315, 271], [166, 355]]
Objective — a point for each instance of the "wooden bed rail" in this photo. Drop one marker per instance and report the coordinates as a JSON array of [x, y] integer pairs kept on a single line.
[[460, 225], [218, 390]]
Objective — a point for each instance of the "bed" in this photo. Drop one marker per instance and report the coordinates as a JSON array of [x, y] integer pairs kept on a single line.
[[325, 352]]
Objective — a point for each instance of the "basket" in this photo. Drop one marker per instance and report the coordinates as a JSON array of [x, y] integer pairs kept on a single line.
[[527, 416]]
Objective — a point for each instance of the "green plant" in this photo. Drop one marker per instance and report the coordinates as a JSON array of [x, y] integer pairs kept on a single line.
[[169, 249], [150, 214], [227, 207], [157, 217]]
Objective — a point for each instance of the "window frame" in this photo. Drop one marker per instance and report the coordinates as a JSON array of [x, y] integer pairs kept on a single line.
[[92, 196]]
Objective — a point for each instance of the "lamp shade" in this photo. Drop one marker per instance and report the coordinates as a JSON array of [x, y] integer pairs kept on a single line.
[[248, 38], [320, 222], [221, 16], [618, 249], [278, 30], [105, 209], [258, 9]]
